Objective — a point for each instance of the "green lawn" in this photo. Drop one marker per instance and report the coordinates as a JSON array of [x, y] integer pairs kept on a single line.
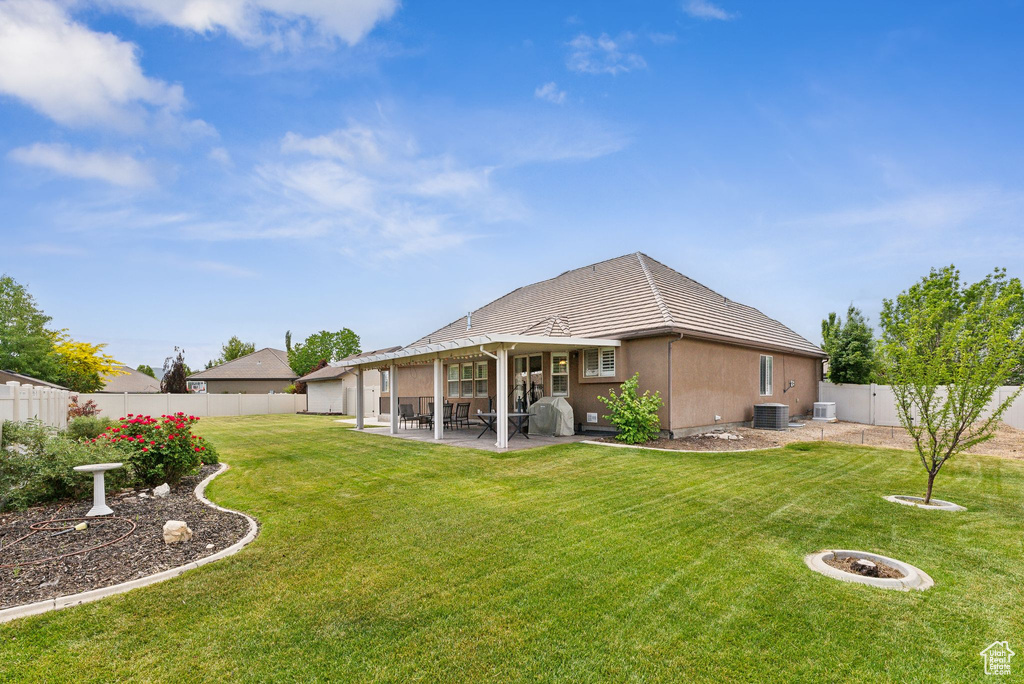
[[392, 560]]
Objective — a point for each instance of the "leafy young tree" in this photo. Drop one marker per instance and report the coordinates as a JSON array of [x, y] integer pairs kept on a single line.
[[148, 370], [850, 346], [26, 346], [635, 415], [945, 350], [321, 346], [80, 366], [233, 349], [175, 373]]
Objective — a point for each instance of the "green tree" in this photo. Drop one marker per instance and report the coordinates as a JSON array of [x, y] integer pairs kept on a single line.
[[26, 346], [945, 350], [231, 350], [634, 415], [148, 370], [850, 346], [322, 346]]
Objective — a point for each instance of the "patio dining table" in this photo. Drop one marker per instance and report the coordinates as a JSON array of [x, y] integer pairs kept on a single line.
[[516, 420]]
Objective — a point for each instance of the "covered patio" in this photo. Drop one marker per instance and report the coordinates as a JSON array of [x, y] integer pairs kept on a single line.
[[493, 347]]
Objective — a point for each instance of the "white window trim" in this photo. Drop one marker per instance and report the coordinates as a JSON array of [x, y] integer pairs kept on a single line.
[[477, 379], [457, 380], [385, 381], [769, 375], [471, 380], [601, 372], [557, 375]]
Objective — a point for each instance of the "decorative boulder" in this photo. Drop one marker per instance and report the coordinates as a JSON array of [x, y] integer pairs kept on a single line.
[[162, 491], [176, 531]]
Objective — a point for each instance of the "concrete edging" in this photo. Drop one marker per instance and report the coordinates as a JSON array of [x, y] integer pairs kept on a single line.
[[673, 451], [14, 612], [917, 502], [914, 578]]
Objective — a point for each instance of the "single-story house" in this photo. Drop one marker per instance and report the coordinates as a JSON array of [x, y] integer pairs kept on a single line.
[[134, 382], [7, 376], [262, 372], [332, 389], [584, 332]]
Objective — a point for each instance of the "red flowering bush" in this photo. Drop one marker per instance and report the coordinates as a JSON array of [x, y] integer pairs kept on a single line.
[[159, 450]]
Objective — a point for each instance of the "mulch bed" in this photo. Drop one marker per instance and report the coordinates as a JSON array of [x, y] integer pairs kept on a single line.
[[847, 565], [759, 439], [142, 553]]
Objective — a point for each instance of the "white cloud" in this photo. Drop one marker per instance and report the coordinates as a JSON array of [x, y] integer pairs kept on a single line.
[[221, 156], [117, 169], [77, 76], [703, 9], [278, 23], [602, 55], [550, 92]]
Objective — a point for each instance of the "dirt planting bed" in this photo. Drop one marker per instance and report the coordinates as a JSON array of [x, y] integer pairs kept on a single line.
[[1007, 442], [143, 552]]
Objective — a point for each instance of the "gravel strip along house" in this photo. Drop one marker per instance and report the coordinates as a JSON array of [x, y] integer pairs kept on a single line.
[[584, 332]]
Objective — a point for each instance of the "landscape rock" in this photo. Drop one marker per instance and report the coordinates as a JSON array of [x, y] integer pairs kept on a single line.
[[162, 491], [176, 531]]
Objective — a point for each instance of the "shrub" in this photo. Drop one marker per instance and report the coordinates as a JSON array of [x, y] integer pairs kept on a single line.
[[87, 427], [635, 416], [75, 410], [36, 465], [159, 450]]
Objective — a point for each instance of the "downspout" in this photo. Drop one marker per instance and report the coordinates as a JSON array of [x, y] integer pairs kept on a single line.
[[669, 404]]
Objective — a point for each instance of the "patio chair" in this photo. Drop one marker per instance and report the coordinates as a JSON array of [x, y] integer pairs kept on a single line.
[[461, 415], [447, 415], [406, 416], [427, 418]]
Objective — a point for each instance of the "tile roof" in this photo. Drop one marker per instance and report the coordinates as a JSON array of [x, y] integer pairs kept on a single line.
[[339, 368], [265, 364], [134, 382], [10, 376], [627, 296]]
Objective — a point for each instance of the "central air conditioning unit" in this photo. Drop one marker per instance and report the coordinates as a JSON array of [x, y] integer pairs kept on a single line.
[[771, 416], [825, 411]]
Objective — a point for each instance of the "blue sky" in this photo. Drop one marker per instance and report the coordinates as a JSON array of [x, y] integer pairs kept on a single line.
[[177, 172]]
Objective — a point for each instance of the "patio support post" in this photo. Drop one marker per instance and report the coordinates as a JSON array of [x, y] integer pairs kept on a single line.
[[393, 386], [360, 412], [438, 400], [501, 366]]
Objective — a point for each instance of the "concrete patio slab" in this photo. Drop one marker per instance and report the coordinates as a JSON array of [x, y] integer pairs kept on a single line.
[[468, 439]]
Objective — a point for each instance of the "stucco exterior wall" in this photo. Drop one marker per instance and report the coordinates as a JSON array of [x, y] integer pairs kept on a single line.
[[711, 378], [246, 386]]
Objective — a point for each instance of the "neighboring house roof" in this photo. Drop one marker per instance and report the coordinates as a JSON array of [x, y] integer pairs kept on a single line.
[[339, 368], [135, 382], [10, 376], [265, 364], [628, 296]]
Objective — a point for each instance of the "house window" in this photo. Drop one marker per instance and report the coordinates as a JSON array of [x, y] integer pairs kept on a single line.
[[385, 381], [467, 380], [453, 380], [559, 374], [481, 378], [766, 376], [599, 363]]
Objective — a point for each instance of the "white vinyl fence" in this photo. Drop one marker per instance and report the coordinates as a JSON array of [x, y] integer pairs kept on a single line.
[[202, 405], [876, 404], [20, 402]]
